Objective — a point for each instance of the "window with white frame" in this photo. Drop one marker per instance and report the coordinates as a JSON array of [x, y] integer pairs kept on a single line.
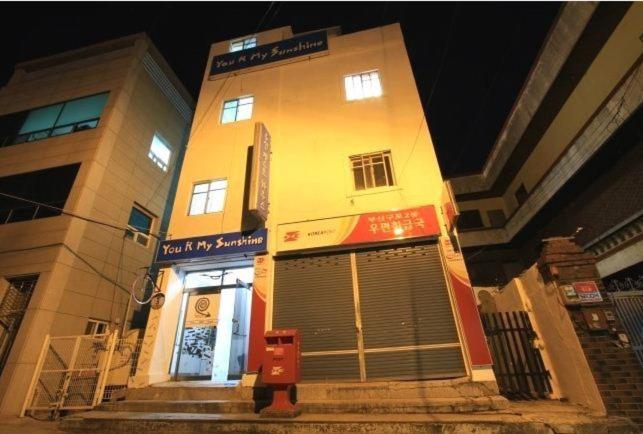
[[96, 327], [372, 170], [208, 197], [243, 44], [364, 85], [160, 152], [237, 109], [139, 226]]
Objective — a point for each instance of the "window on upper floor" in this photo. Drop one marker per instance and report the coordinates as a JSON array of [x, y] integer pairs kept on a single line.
[[243, 44], [470, 219], [237, 109], [372, 170], [364, 85], [96, 327], [139, 226], [160, 152], [53, 120], [497, 218], [208, 197], [521, 194], [36, 195]]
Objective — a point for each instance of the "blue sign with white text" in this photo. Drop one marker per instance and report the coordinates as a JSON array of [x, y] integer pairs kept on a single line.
[[262, 54], [232, 243]]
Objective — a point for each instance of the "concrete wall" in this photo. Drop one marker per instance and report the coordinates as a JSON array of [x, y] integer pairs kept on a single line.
[[620, 53], [560, 348]]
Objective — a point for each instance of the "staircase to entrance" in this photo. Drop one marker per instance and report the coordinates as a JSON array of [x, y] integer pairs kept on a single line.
[[455, 405]]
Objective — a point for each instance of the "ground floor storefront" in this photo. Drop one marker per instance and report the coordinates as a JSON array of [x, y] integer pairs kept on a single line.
[[379, 296]]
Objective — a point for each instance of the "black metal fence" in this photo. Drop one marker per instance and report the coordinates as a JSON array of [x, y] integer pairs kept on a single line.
[[518, 365]]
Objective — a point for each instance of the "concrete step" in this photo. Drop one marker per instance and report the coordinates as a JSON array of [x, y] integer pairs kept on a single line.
[[187, 393], [101, 422], [454, 388], [372, 406]]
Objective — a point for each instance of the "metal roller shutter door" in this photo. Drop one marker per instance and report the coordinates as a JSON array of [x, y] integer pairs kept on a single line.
[[404, 302], [315, 295]]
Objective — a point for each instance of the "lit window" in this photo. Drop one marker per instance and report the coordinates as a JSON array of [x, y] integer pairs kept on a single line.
[[237, 109], [138, 227], [96, 327], [208, 197], [160, 152], [243, 44], [372, 170], [365, 85]]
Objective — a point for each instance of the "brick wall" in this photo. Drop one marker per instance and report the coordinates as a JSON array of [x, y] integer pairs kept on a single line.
[[616, 370]]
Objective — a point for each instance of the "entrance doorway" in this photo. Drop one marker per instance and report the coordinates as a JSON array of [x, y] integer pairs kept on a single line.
[[212, 338]]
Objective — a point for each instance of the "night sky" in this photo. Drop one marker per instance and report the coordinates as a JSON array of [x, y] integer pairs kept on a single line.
[[469, 59]]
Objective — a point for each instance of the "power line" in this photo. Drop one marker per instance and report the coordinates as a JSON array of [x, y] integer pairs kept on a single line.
[[227, 77], [435, 85], [87, 219]]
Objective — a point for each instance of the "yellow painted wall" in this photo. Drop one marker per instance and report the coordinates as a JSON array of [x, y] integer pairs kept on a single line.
[[314, 131]]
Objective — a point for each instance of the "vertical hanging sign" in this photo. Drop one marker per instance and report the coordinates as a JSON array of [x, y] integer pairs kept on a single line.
[[260, 173]]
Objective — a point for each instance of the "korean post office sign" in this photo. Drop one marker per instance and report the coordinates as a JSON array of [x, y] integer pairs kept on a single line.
[[419, 222]]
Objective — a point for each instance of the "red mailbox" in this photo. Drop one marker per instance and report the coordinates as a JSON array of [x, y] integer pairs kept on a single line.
[[281, 370]]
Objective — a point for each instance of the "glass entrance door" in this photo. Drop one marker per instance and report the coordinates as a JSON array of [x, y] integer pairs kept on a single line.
[[196, 352], [212, 341]]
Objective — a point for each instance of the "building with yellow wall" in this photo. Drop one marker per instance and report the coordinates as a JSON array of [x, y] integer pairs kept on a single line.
[[95, 132], [310, 197]]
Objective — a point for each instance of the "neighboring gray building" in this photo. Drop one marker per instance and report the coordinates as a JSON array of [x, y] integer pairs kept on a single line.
[[97, 131]]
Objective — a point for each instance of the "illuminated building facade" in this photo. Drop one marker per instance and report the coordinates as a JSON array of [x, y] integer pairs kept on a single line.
[[310, 197]]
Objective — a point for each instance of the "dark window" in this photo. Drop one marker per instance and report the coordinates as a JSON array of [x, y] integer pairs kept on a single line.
[[521, 194], [497, 218], [372, 170], [138, 226], [470, 219], [48, 186], [53, 120]]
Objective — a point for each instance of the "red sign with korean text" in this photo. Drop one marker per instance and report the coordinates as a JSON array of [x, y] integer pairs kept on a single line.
[[391, 225], [587, 292], [372, 227]]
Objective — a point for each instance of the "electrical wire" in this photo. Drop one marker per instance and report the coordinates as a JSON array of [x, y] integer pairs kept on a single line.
[[227, 77], [87, 219], [431, 93]]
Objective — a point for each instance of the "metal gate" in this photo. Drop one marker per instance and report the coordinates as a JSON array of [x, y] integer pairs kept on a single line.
[[12, 309], [629, 306], [371, 314], [71, 373], [518, 365]]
